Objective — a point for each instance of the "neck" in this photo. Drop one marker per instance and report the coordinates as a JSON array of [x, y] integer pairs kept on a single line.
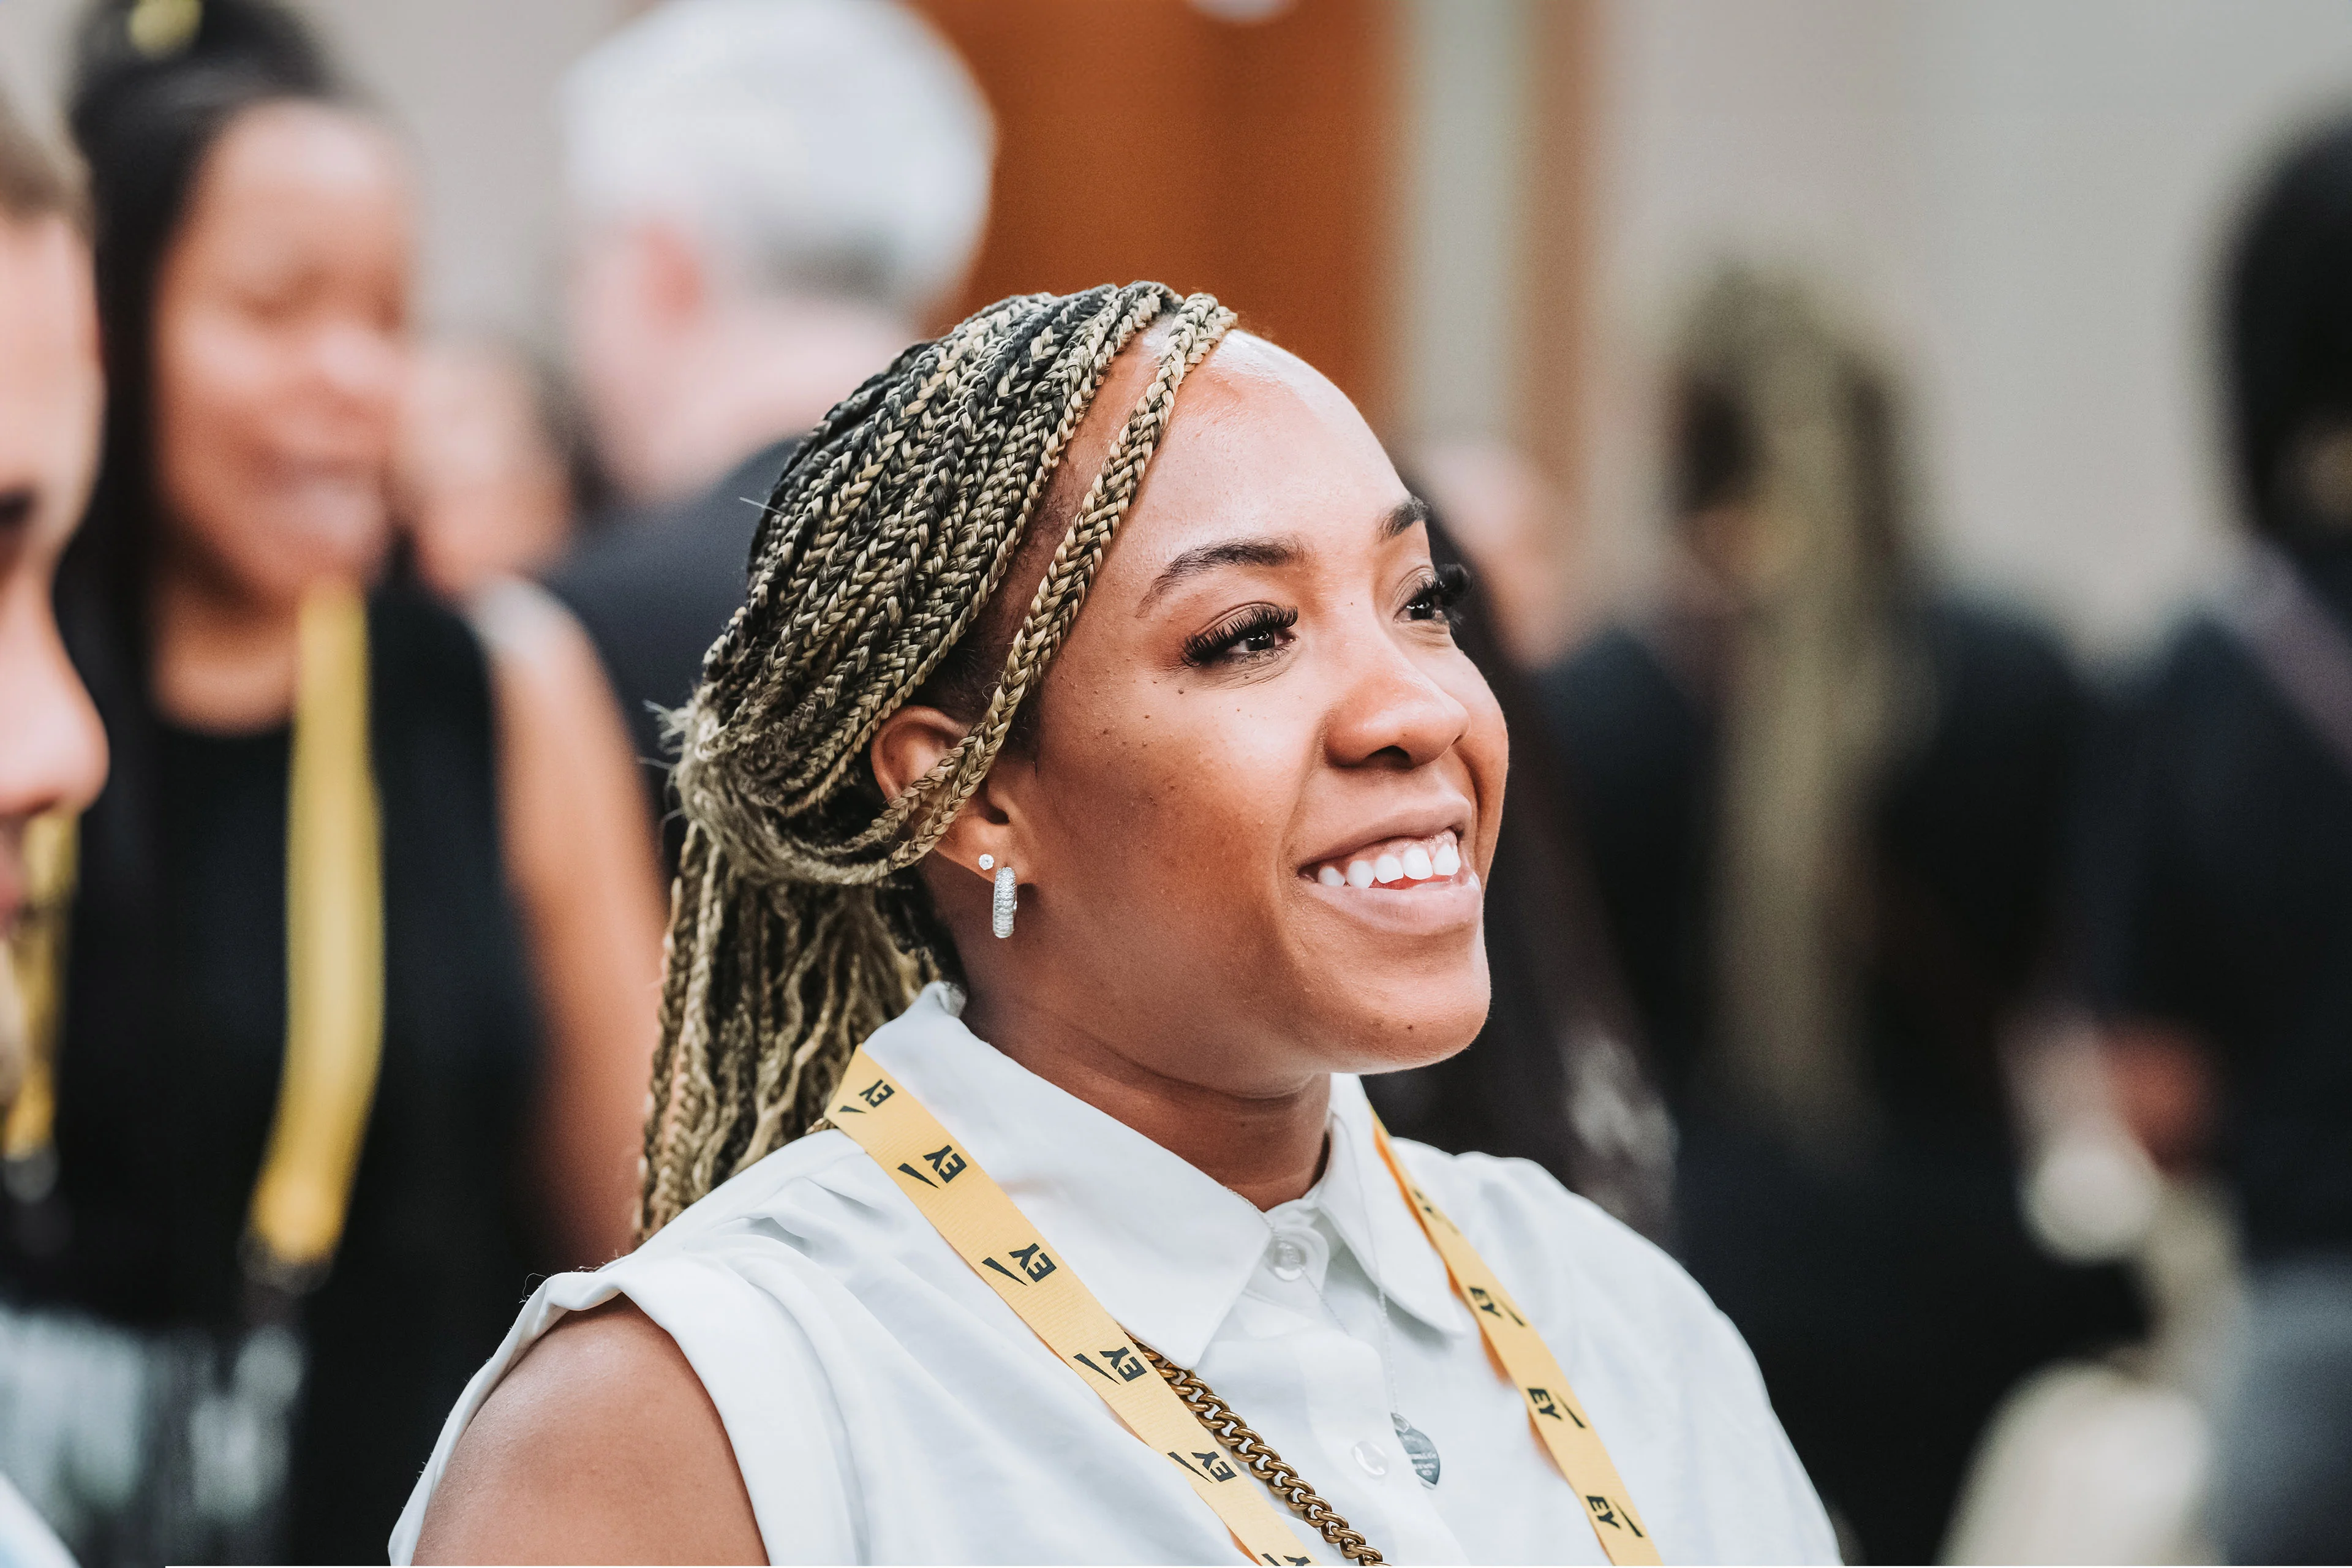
[[223, 661], [1269, 1149], [751, 373]]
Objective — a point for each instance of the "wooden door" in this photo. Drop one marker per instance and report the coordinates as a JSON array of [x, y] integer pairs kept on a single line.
[[1156, 139]]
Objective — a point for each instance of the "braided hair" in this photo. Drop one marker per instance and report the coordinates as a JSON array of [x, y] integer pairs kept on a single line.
[[797, 923]]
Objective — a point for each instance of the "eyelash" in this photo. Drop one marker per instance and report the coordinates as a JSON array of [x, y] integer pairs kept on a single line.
[[1206, 648], [1445, 587], [1433, 599]]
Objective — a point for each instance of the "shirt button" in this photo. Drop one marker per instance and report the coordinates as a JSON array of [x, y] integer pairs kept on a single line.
[[1286, 1258], [1374, 1457]]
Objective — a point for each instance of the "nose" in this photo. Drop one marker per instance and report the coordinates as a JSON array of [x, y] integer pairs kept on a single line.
[[1392, 713], [55, 755]]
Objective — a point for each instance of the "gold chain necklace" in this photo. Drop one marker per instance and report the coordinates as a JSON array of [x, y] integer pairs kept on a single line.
[[1243, 1443]]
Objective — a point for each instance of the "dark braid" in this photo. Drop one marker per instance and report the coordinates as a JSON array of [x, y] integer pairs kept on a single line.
[[797, 926]]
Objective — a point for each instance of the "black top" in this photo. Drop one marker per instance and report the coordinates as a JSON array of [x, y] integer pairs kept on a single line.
[[655, 592], [1964, 854], [1891, 1301], [2222, 900], [173, 1042]]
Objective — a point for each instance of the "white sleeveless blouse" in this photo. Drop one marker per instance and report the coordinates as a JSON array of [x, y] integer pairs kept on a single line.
[[885, 1406]]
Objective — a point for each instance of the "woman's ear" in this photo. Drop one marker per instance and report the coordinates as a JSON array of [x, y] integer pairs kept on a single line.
[[909, 743]]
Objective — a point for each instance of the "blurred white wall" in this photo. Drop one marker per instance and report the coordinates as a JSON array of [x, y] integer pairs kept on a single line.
[[1464, 124], [474, 86], [471, 86], [2020, 197], [31, 45]]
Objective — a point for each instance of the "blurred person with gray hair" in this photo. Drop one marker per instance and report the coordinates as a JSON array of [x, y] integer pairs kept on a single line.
[[772, 198]]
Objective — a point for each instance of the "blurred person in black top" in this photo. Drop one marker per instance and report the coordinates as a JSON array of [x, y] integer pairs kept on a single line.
[[1827, 811], [736, 274], [185, 1382], [2221, 875]]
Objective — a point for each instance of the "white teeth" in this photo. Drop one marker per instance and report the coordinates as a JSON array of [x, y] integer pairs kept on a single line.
[[1433, 859]]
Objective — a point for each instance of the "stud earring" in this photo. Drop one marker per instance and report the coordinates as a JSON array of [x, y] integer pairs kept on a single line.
[[999, 914]]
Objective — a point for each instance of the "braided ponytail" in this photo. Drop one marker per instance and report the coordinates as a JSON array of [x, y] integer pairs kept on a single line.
[[797, 924]]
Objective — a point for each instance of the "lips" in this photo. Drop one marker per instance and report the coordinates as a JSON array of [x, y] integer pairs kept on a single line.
[[1406, 889]]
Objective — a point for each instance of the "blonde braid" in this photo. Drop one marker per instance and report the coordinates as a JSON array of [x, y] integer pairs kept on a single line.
[[797, 927]]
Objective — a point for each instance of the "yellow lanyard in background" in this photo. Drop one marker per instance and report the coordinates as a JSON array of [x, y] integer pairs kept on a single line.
[[334, 963], [334, 955], [37, 961], [990, 1233]]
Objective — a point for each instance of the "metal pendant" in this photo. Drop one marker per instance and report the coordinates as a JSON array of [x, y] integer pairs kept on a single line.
[[1418, 1449]]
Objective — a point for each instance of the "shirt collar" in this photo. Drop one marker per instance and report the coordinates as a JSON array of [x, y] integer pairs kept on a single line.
[[1359, 1196], [1166, 1249]]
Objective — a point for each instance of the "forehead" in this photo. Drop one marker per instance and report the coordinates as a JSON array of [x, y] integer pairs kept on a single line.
[[280, 163], [1259, 444], [49, 342]]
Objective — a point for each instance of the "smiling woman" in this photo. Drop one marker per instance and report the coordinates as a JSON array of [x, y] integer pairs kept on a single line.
[[1100, 616]]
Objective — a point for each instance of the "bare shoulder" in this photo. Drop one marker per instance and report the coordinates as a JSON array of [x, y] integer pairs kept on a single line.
[[600, 1446], [537, 650]]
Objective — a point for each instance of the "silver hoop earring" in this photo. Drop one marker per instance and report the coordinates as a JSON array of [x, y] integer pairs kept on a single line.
[[999, 914]]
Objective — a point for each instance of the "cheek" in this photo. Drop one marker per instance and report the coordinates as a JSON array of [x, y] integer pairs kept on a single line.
[[271, 446], [1178, 798], [1486, 747], [1483, 749], [214, 383], [609, 341]]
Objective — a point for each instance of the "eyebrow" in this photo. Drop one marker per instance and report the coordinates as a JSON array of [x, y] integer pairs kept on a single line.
[[1224, 552], [1265, 551], [1403, 515]]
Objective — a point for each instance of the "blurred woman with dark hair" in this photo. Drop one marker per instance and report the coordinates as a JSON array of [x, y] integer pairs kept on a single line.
[[357, 999], [2222, 907]]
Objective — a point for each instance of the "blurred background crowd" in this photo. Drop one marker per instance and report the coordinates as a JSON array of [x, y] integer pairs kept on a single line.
[[1905, 452]]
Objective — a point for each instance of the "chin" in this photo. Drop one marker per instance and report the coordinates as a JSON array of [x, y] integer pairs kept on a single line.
[[1392, 1026]]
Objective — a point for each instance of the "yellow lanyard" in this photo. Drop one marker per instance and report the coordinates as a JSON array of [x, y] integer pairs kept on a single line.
[[1566, 1432], [334, 961], [989, 1232], [992, 1234]]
